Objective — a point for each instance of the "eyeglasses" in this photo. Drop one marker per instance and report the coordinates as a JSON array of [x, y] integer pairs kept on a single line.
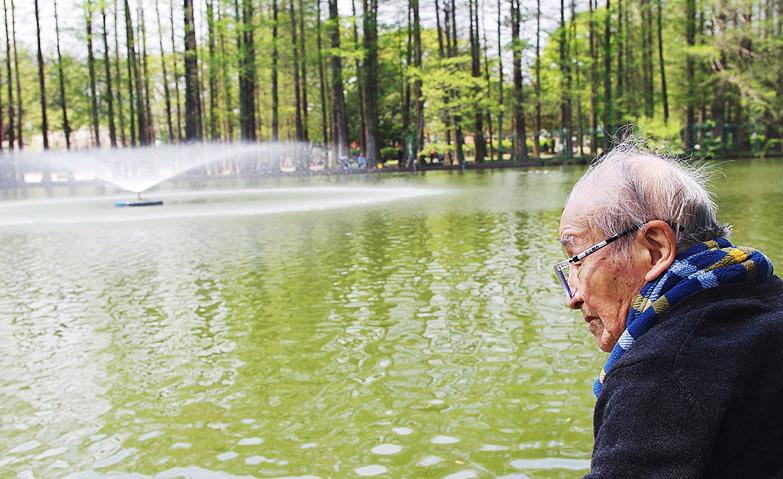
[[563, 268]]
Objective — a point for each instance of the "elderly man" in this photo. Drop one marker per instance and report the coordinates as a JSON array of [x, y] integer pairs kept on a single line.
[[693, 386]]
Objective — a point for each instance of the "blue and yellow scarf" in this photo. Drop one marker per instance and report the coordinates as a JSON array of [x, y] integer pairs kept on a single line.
[[703, 266]]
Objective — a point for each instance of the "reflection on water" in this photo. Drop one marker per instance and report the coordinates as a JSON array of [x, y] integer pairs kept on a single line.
[[419, 337]]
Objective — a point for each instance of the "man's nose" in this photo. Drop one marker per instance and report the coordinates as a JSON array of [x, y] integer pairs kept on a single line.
[[576, 300]]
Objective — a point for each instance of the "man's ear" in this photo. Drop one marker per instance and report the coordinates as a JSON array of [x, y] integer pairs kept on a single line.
[[658, 240]]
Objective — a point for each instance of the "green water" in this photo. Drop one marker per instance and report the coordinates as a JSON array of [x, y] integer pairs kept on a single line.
[[422, 336]]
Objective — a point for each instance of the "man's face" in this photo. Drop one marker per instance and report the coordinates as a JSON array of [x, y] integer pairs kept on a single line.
[[604, 287]]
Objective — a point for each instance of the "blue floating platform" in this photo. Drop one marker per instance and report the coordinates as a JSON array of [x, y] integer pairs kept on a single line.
[[137, 203]]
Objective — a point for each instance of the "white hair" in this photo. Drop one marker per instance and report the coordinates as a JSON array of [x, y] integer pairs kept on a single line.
[[629, 186]]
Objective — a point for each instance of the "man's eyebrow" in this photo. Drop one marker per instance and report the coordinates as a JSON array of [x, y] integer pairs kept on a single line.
[[567, 240]]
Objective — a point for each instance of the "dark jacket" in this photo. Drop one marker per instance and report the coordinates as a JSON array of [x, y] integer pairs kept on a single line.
[[701, 393]]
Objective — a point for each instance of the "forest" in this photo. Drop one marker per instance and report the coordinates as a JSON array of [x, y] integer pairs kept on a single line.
[[477, 81]]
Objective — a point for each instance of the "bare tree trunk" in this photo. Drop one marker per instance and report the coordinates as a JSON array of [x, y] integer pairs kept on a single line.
[[371, 79], [41, 82], [580, 125], [647, 58], [459, 139], [275, 100], [360, 87], [176, 72], [406, 93], [213, 107], [565, 85], [228, 107], [608, 77], [489, 93], [340, 128], [107, 70], [303, 65], [19, 110], [9, 77], [621, 103], [418, 141], [501, 106], [166, 93], [479, 144], [192, 100], [149, 132], [295, 59], [593, 83], [520, 144], [537, 87], [690, 36], [446, 118], [321, 82], [247, 73], [120, 108], [130, 62], [61, 78], [91, 69], [662, 67]]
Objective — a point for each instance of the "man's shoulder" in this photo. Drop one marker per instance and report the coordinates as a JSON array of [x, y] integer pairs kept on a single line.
[[729, 335]]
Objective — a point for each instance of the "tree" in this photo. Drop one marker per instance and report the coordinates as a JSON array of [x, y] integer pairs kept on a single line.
[[418, 141], [475, 70], [61, 78], [340, 128], [275, 100], [213, 71], [303, 65], [91, 67], [565, 85], [19, 110], [321, 79], [501, 106], [176, 73], [608, 77], [247, 74], [370, 70], [166, 93], [689, 137], [593, 81], [297, 86], [41, 81], [537, 86], [9, 79], [107, 71], [664, 94], [120, 109], [193, 126], [520, 145]]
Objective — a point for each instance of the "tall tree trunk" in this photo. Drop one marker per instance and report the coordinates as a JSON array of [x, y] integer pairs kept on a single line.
[[176, 73], [665, 97], [446, 118], [149, 132], [537, 87], [370, 76], [19, 110], [580, 125], [130, 58], [166, 93], [479, 143], [321, 82], [459, 139], [9, 78], [41, 82], [192, 100], [247, 73], [228, 106], [91, 69], [120, 108], [134, 74], [61, 78], [649, 100], [608, 77], [107, 71], [213, 72], [501, 106], [359, 85], [565, 85], [303, 65], [418, 142], [275, 100], [406, 93], [340, 128], [621, 106], [489, 92], [593, 82], [295, 59], [690, 37], [520, 144]]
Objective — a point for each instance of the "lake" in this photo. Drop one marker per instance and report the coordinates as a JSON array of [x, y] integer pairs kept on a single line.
[[392, 326]]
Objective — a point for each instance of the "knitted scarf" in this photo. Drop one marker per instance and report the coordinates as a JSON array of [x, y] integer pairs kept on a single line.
[[703, 266]]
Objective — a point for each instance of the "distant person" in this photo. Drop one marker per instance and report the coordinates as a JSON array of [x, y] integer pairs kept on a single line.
[[693, 386], [362, 161]]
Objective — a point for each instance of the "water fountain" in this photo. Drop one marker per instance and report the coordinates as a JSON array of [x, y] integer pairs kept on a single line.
[[203, 179]]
